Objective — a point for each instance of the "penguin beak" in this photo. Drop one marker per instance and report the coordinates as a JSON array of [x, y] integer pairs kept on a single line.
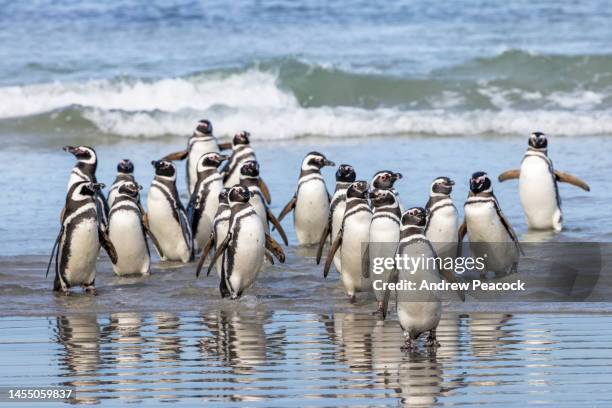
[[397, 176], [223, 157], [155, 163], [99, 186], [69, 149], [328, 163]]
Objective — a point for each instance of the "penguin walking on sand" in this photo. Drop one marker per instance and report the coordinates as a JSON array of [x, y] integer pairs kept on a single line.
[[127, 231], [202, 141], [385, 180], [443, 222], [78, 243], [219, 232], [85, 170], [491, 234], [204, 201], [125, 174], [243, 249], [418, 312], [166, 215], [345, 176], [538, 189], [310, 203], [249, 177], [384, 236], [353, 235]]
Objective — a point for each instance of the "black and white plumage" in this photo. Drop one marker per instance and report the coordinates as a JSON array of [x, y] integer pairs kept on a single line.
[[538, 188], [166, 215], [443, 222], [78, 243], [385, 180], [219, 232], [310, 203], [125, 174]]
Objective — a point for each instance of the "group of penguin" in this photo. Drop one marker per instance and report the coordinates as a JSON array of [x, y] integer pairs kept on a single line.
[[228, 215]]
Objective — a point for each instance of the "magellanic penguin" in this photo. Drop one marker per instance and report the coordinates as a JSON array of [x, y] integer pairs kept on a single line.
[[127, 231], [384, 236], [243, 249], [385, 180], [85, 170], [125, 174], [353, 236], [201, 142], [443, 222], [310, 203], [345, 176], [249, 176], [204, 200], [423, 313], [538, 188], [219, 232], [166, 215], [78, 242], [491, 234]]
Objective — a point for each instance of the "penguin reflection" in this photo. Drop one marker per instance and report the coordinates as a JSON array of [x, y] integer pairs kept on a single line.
[[124, 331], [488, 333], [167, 337]]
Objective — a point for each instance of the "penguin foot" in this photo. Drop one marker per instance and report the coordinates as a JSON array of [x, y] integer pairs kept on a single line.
[[409, 345], [432, 342], [379, 311], [352, 299], [91, 290]]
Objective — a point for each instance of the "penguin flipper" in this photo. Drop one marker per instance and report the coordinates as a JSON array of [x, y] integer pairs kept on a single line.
[[290, 206], [509, 175], [324, 235], [182, 155], [332, 252], [269, 257], [205, 251], [278, 226], [393, 277], [265, 191], [461, 234], [219, 252], [571, 179], [449, 276], [149, 233], [107, 245], [275, 248], [55, 250], [365, 262], [508, 227]]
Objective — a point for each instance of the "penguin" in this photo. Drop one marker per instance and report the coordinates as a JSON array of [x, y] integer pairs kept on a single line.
[[538, 189], [204, 200], [167, 217], [443, 222], [384, 235], [219, 232], [422, 315], [125, 173], [345, 175], [127, 231], [202, 141], [78, 243], [249, 177], [353, 234], [384, 180], [243, 249], [310, 202], [85, 170], [490, 231]]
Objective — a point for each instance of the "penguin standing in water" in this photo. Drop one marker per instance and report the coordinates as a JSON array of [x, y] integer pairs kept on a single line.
[[167, 217], [243, 249], [538, 189], [85, 170], [443, 222], [423, 313], [125, 174], [249, 177], [78, 242], [354, 233], [127, 231], [219, 232], [201, 142], [310, 202], [204, 201], [345, 176], [490, 231], [384, 180], [384, 235]]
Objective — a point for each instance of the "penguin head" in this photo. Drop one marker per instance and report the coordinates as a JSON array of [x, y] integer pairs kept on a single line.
[[211, 160], [250, 168], [241, 138], [84, 154], [385, 179], [380, 197], [416, 216], [358, 189], [316, 161], [204, 127], [87, 188], [164, 168], [125, 166], [480, 183], [441, 186], [239, 194], [538, 140], [345, 173], [130, 188], [223, 196]]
